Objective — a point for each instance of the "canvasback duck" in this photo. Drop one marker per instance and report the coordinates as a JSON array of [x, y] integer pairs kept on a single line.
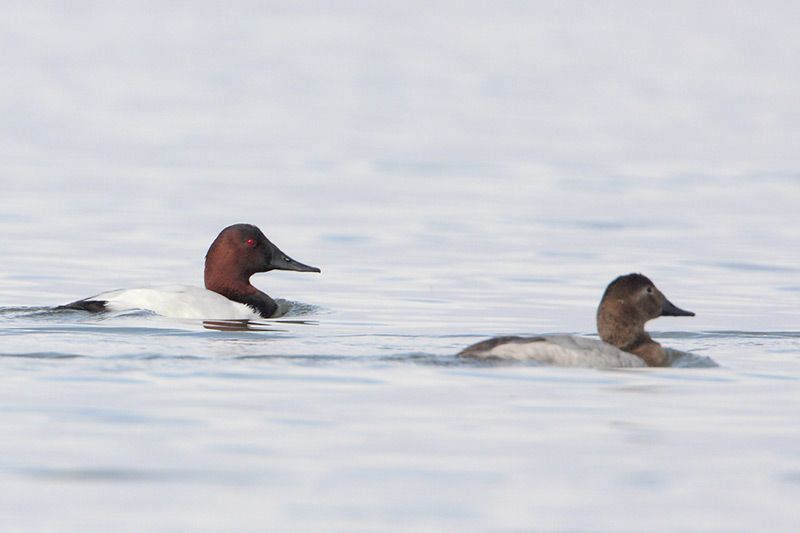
[[238, 252], [627, 304]]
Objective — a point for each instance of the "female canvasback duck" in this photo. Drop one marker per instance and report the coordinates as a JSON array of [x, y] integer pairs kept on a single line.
[[238, 252], [627, 304]]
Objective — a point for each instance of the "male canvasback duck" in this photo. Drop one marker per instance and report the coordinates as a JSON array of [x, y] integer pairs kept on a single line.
[[238, 252], [627, 304]]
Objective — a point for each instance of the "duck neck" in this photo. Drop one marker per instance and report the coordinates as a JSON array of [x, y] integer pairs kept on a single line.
[[622, 326], [239, 289], [650, 351]]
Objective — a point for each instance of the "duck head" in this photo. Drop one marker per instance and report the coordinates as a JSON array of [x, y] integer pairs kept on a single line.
[[628, 303], [240, 251]]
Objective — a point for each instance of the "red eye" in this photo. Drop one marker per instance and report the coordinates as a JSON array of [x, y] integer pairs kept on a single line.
[[251, 243]]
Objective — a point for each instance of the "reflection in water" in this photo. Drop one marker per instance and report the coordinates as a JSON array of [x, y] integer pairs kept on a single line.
[[139, 475], [252, 325]]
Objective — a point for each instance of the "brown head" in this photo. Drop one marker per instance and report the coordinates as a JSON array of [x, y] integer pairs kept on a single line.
[[627, 304], [238, 252]]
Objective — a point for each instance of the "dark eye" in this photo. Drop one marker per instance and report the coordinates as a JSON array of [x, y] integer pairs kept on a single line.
[[649, 290], [251, 243]]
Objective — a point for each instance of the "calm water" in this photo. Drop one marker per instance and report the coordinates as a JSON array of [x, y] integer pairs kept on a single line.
[[456, 173]]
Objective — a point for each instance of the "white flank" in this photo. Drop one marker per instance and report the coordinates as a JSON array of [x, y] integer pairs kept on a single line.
[[178, 301]]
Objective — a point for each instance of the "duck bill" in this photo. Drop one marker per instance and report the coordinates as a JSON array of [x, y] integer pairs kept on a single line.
[[670, 309], [281, 261]]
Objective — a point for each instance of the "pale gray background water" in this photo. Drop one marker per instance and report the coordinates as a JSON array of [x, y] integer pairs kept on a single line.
[[457, 170]]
